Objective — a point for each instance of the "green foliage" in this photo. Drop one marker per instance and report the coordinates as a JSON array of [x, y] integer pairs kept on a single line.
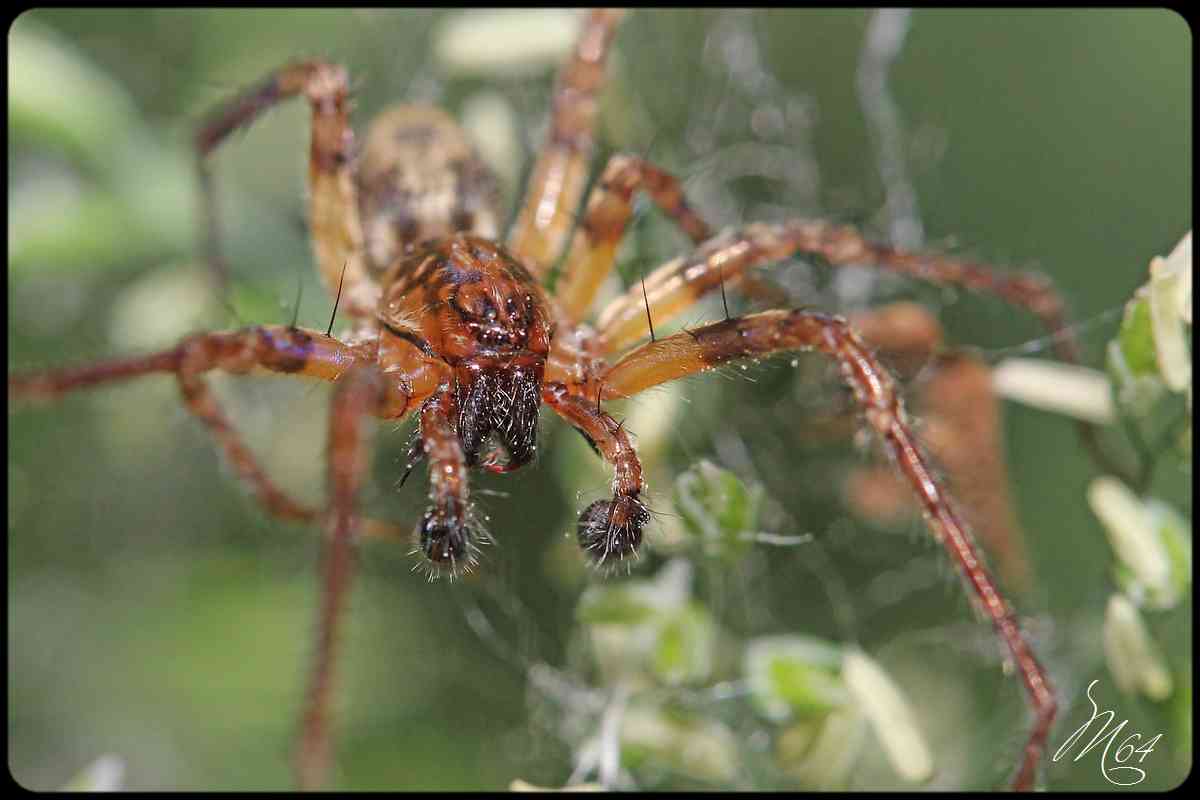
[[626, 604], [684, 651], [794, 676], [1135, 340], [119, 193], [1151, 539], [720, 512]]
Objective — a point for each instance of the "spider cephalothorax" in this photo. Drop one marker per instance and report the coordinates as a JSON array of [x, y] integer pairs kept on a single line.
[[454, 328]]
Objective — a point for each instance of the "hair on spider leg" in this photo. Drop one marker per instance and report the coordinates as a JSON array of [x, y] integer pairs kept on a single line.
[[724, 298], [646, 299], [416, 454], [435, 571], [337, 300]]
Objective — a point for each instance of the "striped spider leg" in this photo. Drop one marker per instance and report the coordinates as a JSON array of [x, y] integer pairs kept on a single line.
[[559, 175]]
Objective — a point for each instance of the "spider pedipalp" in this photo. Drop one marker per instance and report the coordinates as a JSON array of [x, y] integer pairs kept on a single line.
[[448, 546], [612, 529]]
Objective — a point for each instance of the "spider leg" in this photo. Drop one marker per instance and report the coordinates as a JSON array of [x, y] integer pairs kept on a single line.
[[608, 529], [609, 208], [769, 332], [725, 259], [961, 426], [557, 181], [681, 282], [291, 351], [360, 392], [446, 535], [336, 230], [675, 286]]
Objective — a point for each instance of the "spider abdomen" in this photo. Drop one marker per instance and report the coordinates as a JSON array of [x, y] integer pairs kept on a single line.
[[420, 180]]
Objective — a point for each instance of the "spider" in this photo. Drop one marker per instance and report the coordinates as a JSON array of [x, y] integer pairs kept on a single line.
[[454, 326]]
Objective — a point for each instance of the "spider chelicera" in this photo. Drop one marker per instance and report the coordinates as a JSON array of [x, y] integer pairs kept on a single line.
[[452, 324]]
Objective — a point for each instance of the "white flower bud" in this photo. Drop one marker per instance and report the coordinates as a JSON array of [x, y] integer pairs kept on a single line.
[[890, 714], [1134, 660], [1170, 307], [1063, 388], [1132, 533], [513, 42]]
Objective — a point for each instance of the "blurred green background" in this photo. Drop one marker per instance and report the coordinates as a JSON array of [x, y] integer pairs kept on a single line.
[[155, 613]]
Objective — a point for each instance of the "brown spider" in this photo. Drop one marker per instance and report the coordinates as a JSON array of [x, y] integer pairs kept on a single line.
[[455, 327]]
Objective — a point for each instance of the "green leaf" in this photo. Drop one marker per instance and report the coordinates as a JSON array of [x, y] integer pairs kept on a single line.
[[699, 748], [684, 651], [1134, 659], [717, 509], [794, 676], [1173, 532], [1136, 337], [615, 605], [58, 96], [821, 753]]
